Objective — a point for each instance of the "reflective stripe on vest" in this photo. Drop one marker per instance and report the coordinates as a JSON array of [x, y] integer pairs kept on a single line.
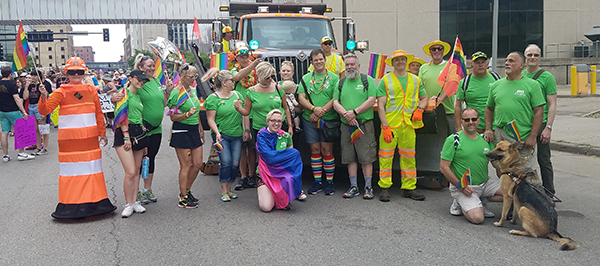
[[392, 94]]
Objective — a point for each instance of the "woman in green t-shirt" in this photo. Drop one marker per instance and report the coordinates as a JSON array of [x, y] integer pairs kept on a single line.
[[226, 128], [187, 133]]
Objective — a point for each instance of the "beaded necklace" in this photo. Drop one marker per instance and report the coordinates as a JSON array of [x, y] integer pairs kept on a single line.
[[324, 80]]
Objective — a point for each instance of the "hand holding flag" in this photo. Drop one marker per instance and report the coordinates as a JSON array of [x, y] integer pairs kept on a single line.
[[465, 180], [355, 133]]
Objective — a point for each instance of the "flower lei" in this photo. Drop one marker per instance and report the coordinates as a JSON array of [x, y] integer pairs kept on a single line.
[[249, 81]]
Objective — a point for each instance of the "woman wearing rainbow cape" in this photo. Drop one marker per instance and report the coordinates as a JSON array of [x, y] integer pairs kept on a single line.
[[279, 165]]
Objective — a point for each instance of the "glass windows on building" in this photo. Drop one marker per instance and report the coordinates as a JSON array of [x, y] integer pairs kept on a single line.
[[520, 22]]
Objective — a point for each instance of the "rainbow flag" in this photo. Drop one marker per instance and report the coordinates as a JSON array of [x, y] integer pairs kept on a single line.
[[377, 66], [512, 127], [465, 180], [454, 71], [121, 110], [458, 58], [219, 146], [21, 50], [220, 61], [159, 71], [321, 123], [176, 78], [355, 133], [181, 97]]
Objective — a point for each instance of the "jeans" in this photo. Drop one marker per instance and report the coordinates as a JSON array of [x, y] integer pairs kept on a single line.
[[543, 156], [229, 157]]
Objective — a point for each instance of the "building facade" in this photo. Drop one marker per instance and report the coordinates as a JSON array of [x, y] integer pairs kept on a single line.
[[54, 54], [138, 36], [85, 52]]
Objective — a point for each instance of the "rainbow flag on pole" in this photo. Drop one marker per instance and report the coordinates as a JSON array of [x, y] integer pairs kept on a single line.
[[454, 71], [159, 71], [21, 50], [181, 97], [512, 127], [355, 133], [377, 66], [465, 180], [176, 78], [220, 61], [121, 110]]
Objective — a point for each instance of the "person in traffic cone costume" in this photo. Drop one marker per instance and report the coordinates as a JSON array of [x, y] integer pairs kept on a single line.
[[81, 186], [400, 107]]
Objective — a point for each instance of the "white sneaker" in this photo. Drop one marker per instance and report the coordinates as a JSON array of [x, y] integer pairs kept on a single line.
[[127, 210], [455, 209], [302, 196], [25, 156], [487, 213], [6, 158], [138, 208]]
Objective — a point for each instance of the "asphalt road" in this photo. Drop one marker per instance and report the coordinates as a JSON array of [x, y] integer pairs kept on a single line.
[[323, 230]]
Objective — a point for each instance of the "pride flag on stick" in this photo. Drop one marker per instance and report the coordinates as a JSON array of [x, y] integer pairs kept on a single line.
[[454, 71], [355, 133], [512, 127], [220, 61], [121, 110], [159, 71], [377, 65], [21, 50], [465, 180]]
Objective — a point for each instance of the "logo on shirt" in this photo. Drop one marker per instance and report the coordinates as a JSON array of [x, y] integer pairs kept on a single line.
[[223, 102], [282, 145], [486, 150], [520, 93], [360, 87]]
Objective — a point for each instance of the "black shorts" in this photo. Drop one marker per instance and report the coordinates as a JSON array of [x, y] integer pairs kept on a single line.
[[120, 141], [185, 136]]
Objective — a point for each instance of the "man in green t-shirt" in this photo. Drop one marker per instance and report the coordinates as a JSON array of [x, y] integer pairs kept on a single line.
[[548, 85], [354, 103], [476, 91], [464, 154], [429, 73], [515, 106]]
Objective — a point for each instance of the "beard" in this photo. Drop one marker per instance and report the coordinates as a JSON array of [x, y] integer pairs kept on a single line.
[[352, 73]]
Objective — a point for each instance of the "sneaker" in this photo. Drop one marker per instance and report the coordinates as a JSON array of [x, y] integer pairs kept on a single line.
[[127, 210], [138, 208], [455, 209], [352, 192], [142, 199], [316, 188], [487, 213], [302, 196], [368, 193], [194, 199], [414, 194], [25, 156], [41, 152], [6, 158], [243, 183], [329, 189], [187, 203], [31, 148], [384, 195], [252, 181], [150, 196]]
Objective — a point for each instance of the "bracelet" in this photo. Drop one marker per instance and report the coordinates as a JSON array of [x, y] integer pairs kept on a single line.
[[186, 115], [247, 130], [312, 108], [125, 139], [354, 110], [125, 131]]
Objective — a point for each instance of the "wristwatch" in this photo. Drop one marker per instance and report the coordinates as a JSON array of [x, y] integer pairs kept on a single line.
[[549, 127]]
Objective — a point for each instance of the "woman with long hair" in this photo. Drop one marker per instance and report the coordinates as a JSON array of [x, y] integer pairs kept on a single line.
[[187, 133]]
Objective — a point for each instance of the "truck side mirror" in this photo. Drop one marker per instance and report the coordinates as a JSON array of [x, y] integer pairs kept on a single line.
[[217, 29], [350, 29]]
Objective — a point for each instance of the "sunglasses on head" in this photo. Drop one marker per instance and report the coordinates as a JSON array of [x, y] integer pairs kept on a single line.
[[243, 51], [144, 58], [470, 119], [436, 48], [75, 72]]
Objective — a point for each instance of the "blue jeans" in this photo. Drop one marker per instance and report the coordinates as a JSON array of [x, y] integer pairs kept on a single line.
[[229, 157]]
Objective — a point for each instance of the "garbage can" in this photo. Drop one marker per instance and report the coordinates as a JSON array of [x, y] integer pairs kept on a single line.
[[582, 78]]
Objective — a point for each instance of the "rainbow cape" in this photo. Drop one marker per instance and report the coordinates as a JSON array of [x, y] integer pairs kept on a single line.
[[355, 133], [377, 65], [281, 171], [220, 61], [454, 71], [159, 72], [465, 180], [512, 127], [21, 50], [121, 110]]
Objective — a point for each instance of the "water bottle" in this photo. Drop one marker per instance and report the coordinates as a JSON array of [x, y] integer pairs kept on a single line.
[[145, 163]]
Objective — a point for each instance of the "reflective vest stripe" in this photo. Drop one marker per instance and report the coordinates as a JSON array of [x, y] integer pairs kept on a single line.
[[77, 121], [391, 105]]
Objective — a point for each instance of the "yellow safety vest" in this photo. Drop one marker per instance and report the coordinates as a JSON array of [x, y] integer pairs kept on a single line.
[[226, 46], [400, 105]]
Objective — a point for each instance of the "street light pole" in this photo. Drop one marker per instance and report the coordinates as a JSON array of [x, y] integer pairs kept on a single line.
[[494, 35]]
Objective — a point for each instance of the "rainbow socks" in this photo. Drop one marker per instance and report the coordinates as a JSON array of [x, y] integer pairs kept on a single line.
[[316, 162], [329, 165]]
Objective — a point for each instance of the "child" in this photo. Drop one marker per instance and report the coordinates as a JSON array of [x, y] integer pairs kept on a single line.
[[290, 89]]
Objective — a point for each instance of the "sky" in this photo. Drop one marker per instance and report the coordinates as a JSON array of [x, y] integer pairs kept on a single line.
[[104, 51]]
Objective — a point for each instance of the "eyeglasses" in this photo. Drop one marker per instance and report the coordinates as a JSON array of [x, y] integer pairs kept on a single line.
[[471, 119], [327, 43], [276, 121], [436, 49], [75, 72]]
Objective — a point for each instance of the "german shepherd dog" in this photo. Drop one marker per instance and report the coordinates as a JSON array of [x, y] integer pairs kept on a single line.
[[522, 187]]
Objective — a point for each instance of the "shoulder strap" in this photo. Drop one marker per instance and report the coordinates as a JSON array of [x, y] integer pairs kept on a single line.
[[495, 75], [538, 74], [365, 81], [237, 95], [466, 83], [278, 91], [341, 82], [456, 140], [306, 90]]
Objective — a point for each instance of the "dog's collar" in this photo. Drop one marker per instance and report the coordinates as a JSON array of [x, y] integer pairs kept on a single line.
[[516, 178]]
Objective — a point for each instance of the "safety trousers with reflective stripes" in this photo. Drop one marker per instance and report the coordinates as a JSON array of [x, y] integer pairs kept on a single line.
[[404, 141]]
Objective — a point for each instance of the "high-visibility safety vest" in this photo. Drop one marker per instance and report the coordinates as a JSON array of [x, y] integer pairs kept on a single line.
[[400, 105]]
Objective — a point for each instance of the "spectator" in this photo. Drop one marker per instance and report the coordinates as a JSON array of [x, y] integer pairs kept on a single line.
[[32, 93]]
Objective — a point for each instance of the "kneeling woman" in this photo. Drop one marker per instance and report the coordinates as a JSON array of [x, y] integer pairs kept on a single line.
[[279, 166], [130, 142]]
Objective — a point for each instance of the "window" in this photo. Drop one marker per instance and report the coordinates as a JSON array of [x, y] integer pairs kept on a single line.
[[49, 56], [62, 56], [49, 48], [62, 40], [62, 48], [50, 65]]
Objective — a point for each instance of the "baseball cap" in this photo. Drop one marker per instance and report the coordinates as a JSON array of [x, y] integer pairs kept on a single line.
[[107, 77], [139, 75], [326, 39], [478, 54]]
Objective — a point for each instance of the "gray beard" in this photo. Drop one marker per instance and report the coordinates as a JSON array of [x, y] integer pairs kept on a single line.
[[352, 73]]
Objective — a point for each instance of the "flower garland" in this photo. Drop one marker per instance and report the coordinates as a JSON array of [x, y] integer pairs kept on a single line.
[[324, 81], [250, 80]]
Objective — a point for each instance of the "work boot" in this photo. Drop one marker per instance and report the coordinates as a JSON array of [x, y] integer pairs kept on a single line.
[[413, 194], [384, 195]]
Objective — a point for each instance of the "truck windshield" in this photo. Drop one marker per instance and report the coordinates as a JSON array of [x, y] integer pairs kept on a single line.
[[287, 32]]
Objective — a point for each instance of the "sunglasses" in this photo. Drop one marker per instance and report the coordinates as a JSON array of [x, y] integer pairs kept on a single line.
[[436, 49], [193, 76], [327, 43], [471, 119], [75, 72], [243, 51]]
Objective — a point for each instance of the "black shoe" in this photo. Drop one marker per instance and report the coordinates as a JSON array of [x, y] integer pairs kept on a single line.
[[243, 183], [192, 198], [252, 181], [413, 194]]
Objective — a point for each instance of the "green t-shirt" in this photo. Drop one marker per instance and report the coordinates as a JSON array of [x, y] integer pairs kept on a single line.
[[354, 94], [548, 85], [228, 120], [240, 88], [262, 104], [320, 95], [476, 95], [381, 91], [153, 97], [429, 73], [515, 100], [134, 113], [470, 154], [284, 142], [186, 106]]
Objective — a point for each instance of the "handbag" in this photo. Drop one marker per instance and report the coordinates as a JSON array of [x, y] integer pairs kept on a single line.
[[138, 137], [210, 168], [331, 130]]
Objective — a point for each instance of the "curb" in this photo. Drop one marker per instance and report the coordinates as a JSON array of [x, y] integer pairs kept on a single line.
[[583, 149], [577, 96]]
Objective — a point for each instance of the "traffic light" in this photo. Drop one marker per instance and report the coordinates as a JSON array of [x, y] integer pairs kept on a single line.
[[105, 35], [40, 36], [1, 52]]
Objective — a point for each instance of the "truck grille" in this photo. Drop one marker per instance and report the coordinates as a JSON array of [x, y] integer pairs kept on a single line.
[[300, 67]]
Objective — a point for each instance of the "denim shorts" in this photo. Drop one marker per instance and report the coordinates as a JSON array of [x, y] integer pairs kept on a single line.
[[311, 132], [33, 111]]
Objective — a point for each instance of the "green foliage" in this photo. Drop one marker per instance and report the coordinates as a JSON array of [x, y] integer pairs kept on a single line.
[[29, 62]]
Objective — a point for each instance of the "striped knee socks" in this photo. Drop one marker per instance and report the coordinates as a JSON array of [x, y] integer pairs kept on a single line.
[[329, 165], [316, 162]]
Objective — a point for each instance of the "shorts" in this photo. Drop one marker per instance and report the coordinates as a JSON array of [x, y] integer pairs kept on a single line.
[[364, 148], [184, 136], [311, 132], [7, 119], [110, 115], [120, 141], [33, 111], [487, 189]]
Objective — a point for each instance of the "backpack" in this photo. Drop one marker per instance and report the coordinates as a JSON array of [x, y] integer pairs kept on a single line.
[[538, 74], [466, 85], [363, 78]]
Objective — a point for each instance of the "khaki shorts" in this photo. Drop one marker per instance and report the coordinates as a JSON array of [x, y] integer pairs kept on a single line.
[[365, 148], [487, 189]]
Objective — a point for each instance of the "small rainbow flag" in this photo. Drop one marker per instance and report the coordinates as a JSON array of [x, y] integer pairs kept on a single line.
[[159, 70], [465, 180], [512, 127], [21, 50], [181, 97], [121, 110], [219, 146], [377, 65], [176, 78], [220, 61], [321, 123], [355, 133], [458, 58]]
